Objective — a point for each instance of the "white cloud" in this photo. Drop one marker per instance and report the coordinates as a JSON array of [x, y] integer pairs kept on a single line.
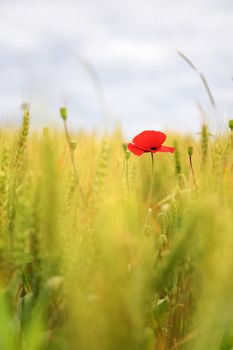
[[130, 44]]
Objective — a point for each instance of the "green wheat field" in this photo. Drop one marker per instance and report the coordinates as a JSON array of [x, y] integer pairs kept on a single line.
[[97, 252]]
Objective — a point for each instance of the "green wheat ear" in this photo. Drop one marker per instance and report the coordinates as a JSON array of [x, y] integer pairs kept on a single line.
[[22, 141], [217, 158], [18, 166], [204, 145], [177, 159], [4, 189], [21, 228], [35, 241], [5, 182], [101, 171]]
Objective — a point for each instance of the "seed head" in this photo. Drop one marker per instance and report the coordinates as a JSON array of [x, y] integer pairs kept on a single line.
[[25, 107]]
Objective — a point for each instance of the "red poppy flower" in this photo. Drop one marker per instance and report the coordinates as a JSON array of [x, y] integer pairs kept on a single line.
[[149, 141]]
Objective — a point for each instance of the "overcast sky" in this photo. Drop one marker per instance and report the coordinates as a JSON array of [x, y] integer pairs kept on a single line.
[[115, 58]]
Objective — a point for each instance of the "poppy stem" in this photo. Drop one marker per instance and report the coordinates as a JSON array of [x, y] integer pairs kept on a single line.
[[152, 178], [127, 174], [75, 172]]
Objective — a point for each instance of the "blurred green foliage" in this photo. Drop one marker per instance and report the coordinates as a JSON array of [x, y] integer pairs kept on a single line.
[[87, 263]]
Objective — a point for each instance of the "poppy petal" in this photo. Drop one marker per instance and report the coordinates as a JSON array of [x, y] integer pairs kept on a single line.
[[134, 149], [165, 149], [149, 139]]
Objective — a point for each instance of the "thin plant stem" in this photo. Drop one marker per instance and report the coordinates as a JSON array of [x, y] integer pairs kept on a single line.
[[169, 198], [122, 176], [147, 228], [127, 174], [192, 171], [232, 140], [152, 179], [123, 169], [231, 150], [73, 162]]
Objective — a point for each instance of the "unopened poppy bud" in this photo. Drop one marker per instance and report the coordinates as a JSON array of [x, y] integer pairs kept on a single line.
[[190, 151], [73, 145], [230, 124], [63, 113]]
